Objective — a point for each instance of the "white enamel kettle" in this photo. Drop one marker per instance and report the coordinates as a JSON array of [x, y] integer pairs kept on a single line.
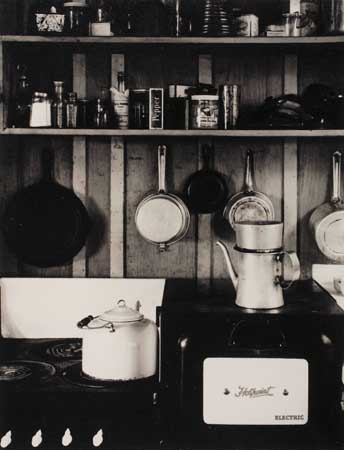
[[119, 345]]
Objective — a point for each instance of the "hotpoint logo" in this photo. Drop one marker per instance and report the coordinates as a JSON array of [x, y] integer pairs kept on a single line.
[[252, 392]]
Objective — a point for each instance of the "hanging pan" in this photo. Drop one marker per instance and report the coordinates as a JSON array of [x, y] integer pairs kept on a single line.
[[162, 218], [45, 224], [249, 205], [327, 221], [206, 190]]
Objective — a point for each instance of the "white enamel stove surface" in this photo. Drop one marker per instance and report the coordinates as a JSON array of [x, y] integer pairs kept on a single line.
[[255, 391]]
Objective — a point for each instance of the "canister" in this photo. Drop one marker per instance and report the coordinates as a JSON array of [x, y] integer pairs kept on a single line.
[[205, 112], [229, 106], [138, 108], [248, 25]]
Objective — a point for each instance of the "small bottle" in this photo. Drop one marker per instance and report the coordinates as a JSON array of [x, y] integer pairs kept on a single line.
[[101, 113], [58, 106], [71, 110], [120, 101], [22, 103]]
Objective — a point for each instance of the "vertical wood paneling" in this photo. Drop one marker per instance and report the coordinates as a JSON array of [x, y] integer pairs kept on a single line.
[[290, 194], [204, 229], [79, 155], [98, 75], [117, 186], [8, 186]]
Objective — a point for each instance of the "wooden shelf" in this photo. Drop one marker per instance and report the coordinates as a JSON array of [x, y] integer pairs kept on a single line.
[[125, 40], [174, 133]]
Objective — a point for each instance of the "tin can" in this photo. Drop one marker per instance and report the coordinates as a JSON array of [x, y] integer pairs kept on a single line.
[[205, 112], [139, 109], [229, 106], [247, 25]]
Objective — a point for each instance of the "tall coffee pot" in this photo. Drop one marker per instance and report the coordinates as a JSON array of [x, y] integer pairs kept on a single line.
[[262, 266]]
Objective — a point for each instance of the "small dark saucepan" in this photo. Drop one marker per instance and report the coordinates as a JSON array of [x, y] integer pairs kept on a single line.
[[45, 224], [206, 190]]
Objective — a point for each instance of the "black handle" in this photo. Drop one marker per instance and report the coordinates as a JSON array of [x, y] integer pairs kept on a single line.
[[84, 322]]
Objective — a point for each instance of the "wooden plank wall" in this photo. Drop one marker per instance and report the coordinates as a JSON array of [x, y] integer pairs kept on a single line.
[[108, 184]]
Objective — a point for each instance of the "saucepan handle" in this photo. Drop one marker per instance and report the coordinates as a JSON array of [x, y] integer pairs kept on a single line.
[[295, 269], [162, 150]]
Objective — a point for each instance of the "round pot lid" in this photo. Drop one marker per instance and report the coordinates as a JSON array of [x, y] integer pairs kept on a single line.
[[121, 313]]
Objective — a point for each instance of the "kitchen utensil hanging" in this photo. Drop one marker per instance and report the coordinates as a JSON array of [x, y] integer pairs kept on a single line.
[[45, 224], [249, 205], [327, 220], [206, 190], [162, 218]]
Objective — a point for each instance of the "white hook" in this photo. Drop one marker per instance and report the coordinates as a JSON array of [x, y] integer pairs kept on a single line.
[[37, 439], [98, 438], [67, 438], [6, 439]]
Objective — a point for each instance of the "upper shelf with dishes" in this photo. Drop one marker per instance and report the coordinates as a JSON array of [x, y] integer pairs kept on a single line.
[[170, 100], [180, 22]]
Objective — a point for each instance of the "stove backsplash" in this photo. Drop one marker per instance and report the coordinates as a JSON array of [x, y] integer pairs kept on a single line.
[[51, 307]]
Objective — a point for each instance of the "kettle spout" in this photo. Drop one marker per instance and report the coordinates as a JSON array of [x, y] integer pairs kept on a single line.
[[231, 271]]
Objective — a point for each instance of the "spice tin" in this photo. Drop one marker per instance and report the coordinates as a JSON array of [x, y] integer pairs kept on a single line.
[[229, 106], [139, 109], [156, 108], [248, 25], [204, 112]]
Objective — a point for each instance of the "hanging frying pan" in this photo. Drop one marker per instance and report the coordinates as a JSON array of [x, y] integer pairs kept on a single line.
[[327, 221], [249, 205], [162, 218], [206, 190], [45, 224]]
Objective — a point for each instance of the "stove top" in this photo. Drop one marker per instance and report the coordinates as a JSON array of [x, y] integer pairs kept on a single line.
[[23, 371], [59, 350]]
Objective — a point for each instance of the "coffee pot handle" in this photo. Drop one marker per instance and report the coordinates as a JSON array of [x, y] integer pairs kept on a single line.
[[294, 269]]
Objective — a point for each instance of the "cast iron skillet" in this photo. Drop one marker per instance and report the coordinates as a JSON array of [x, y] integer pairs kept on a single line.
[[206, 190], [45, 224]]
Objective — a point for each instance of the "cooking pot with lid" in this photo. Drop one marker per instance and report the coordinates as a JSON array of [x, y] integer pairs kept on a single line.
[[119, 345]]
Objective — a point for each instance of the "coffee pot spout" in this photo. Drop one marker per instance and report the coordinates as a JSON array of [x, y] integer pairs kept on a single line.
[[230, 268]]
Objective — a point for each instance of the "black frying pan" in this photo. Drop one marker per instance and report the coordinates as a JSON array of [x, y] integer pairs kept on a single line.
[[45, 224], [206, 190]]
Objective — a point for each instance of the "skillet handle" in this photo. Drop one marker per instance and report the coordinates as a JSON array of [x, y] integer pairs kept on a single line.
[[249, 172], [162, 150], [336, 166]]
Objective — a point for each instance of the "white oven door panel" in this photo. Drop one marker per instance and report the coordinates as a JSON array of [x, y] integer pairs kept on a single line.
[[255, 391]]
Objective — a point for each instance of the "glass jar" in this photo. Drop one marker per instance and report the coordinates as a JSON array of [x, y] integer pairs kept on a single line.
[[58, 106], [71, 110], [76, 18]]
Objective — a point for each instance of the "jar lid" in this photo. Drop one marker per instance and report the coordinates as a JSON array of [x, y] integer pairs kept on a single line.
[[121, 313], [79, 4], [204, 97]]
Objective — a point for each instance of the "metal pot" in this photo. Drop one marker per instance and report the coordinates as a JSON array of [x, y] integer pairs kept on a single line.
[[119, 345], [260, 235], [248, 204], [162, 218], [327, 221]]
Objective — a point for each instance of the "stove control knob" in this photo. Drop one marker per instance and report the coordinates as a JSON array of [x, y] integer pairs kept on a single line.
[[226, 391], [37, 439], [98, 438], [285, 392], [67, 438], [6, 439]]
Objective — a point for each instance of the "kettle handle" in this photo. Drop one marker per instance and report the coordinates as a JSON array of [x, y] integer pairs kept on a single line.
[[295, 266]]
